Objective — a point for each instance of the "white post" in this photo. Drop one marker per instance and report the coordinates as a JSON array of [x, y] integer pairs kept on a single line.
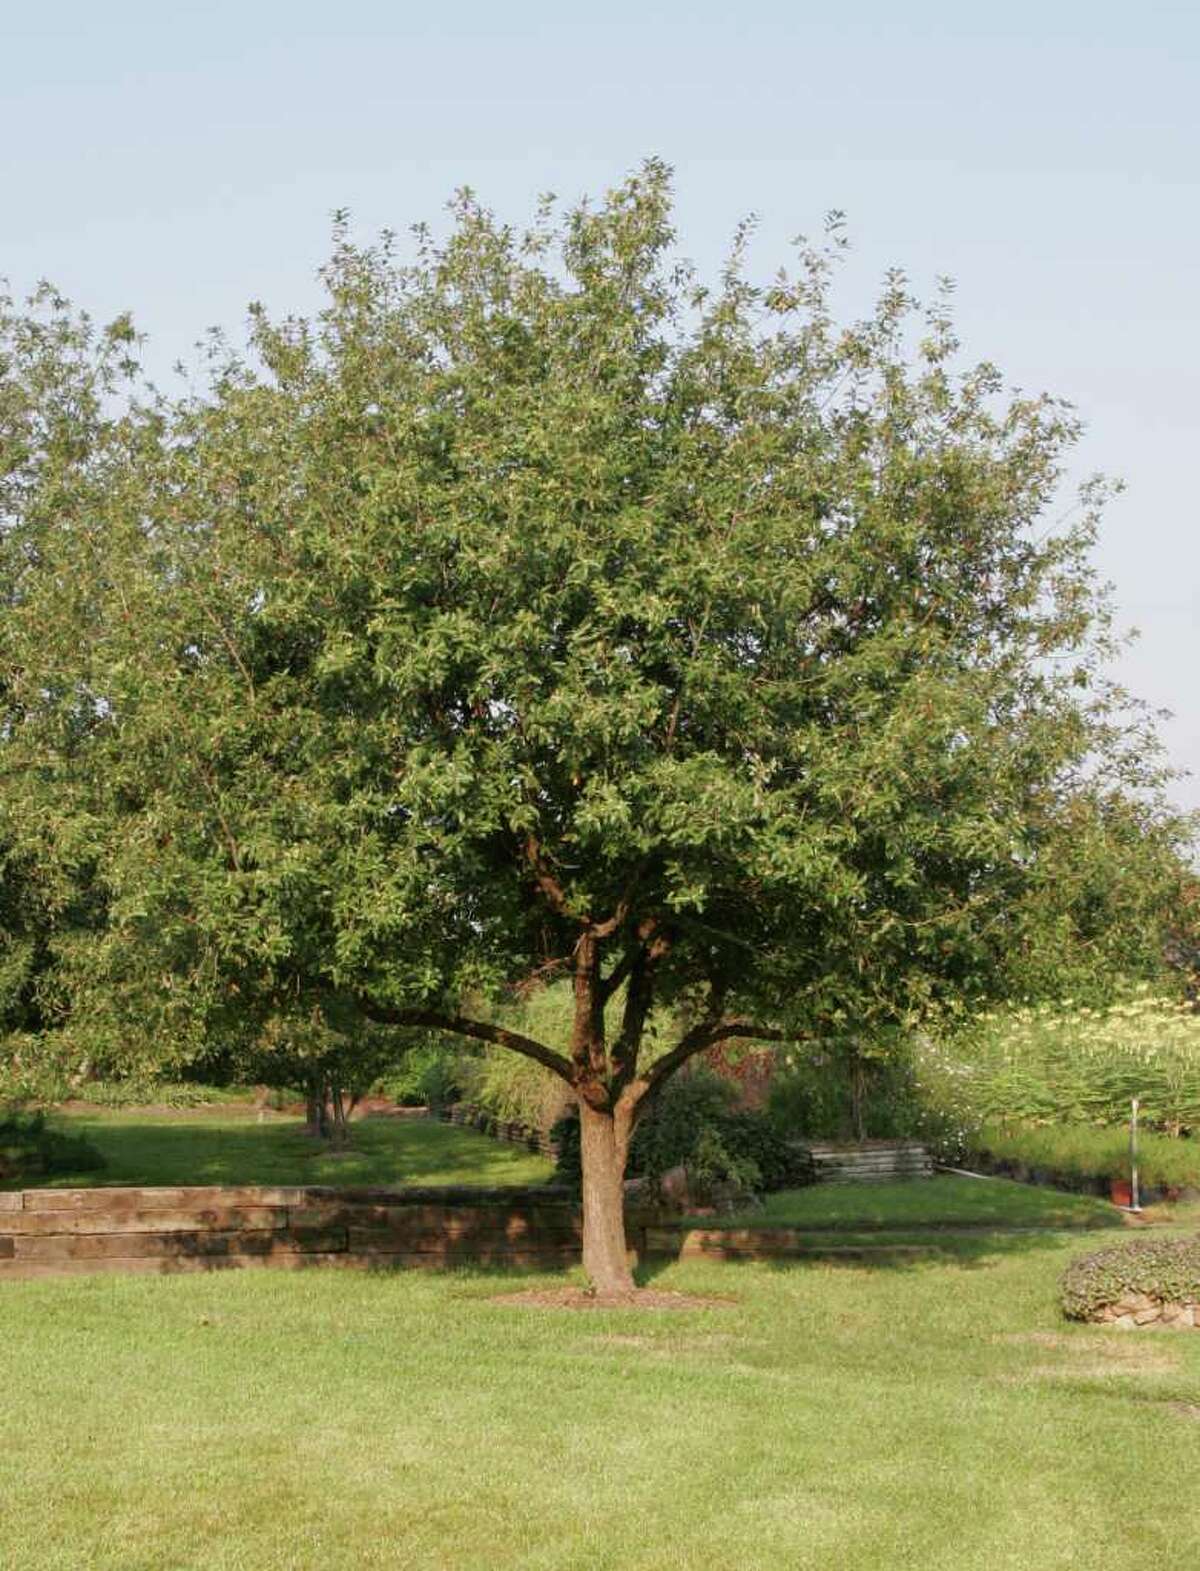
[[1133, 1153]]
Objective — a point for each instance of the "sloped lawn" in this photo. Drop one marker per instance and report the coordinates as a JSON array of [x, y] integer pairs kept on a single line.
[[943, 1201], [223, 1147]]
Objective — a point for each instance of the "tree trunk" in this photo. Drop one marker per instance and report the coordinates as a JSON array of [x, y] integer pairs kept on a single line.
[[858, 1096], [337, 1107], [312, 1112], [317, 1120], [604, 1144]]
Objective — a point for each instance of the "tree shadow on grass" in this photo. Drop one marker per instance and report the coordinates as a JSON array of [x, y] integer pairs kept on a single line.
[[970, 1250]]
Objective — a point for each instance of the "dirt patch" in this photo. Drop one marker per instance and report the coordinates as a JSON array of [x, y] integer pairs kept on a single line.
[[668, 1346], [1091, 1355], [1101, 1369], [579, 1298], [1038, 1338], [1186, 1410], [1094, 1341]]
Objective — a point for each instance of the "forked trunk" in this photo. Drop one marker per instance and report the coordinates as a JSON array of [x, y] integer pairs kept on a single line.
[[604, 1145]]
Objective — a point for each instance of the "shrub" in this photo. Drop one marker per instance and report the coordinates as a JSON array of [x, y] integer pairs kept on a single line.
[[429, 1075], [1084, 1154], [1165, 1269], [754, 1138], [49, 1090], [694, 1124], [158, 1093], [439, 1080], [827, 1088], [811, 1099], [30, 1148], [688, 1113]]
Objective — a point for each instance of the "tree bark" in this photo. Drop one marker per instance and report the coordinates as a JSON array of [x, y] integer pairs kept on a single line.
[[604, 1146]]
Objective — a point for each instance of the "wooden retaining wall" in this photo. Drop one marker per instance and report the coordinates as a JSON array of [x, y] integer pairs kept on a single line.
[[56, 1232], [874, 1161], [61, 1232], [513, 1132]]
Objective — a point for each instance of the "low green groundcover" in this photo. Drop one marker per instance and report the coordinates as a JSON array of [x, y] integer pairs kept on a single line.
[[1167, 1269]]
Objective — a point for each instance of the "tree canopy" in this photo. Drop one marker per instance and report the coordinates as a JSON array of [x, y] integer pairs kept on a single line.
[[537, 610]]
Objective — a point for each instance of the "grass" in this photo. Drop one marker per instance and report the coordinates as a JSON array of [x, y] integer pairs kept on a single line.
[[922, 1202], [220, 1147], [940, 1415], [934, 1412]]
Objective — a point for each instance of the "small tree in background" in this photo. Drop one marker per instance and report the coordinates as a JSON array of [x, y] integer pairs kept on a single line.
[[538, 612]]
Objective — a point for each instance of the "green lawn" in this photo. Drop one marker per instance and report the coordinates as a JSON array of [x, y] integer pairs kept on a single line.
[[222, 1147], [938, 1415], [932, 1412], [921, 1202]]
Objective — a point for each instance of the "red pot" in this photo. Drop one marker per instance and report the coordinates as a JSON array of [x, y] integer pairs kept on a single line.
[[1120, 1192]]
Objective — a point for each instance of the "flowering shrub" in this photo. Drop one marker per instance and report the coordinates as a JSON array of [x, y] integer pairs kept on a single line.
[[1066, 1064]]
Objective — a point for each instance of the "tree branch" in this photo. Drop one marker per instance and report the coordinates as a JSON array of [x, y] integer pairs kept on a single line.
[[587, 1028], [537, 977], [480, 1030], [545, 879], [651, 943], [619, 972], [214, 795], [231, 647], [637, 1006], [610, 925]]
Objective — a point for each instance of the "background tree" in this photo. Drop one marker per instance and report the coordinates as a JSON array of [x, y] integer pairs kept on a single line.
[[536, 611], [58, 371]]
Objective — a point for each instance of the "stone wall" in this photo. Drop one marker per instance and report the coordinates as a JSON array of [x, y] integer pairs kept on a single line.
[[1139, 1309]]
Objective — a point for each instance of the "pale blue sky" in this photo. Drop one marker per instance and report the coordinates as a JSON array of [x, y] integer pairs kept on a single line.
[[182, 159]]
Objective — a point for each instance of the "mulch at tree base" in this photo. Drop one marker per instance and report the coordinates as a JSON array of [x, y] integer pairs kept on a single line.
[[580, 1298]]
